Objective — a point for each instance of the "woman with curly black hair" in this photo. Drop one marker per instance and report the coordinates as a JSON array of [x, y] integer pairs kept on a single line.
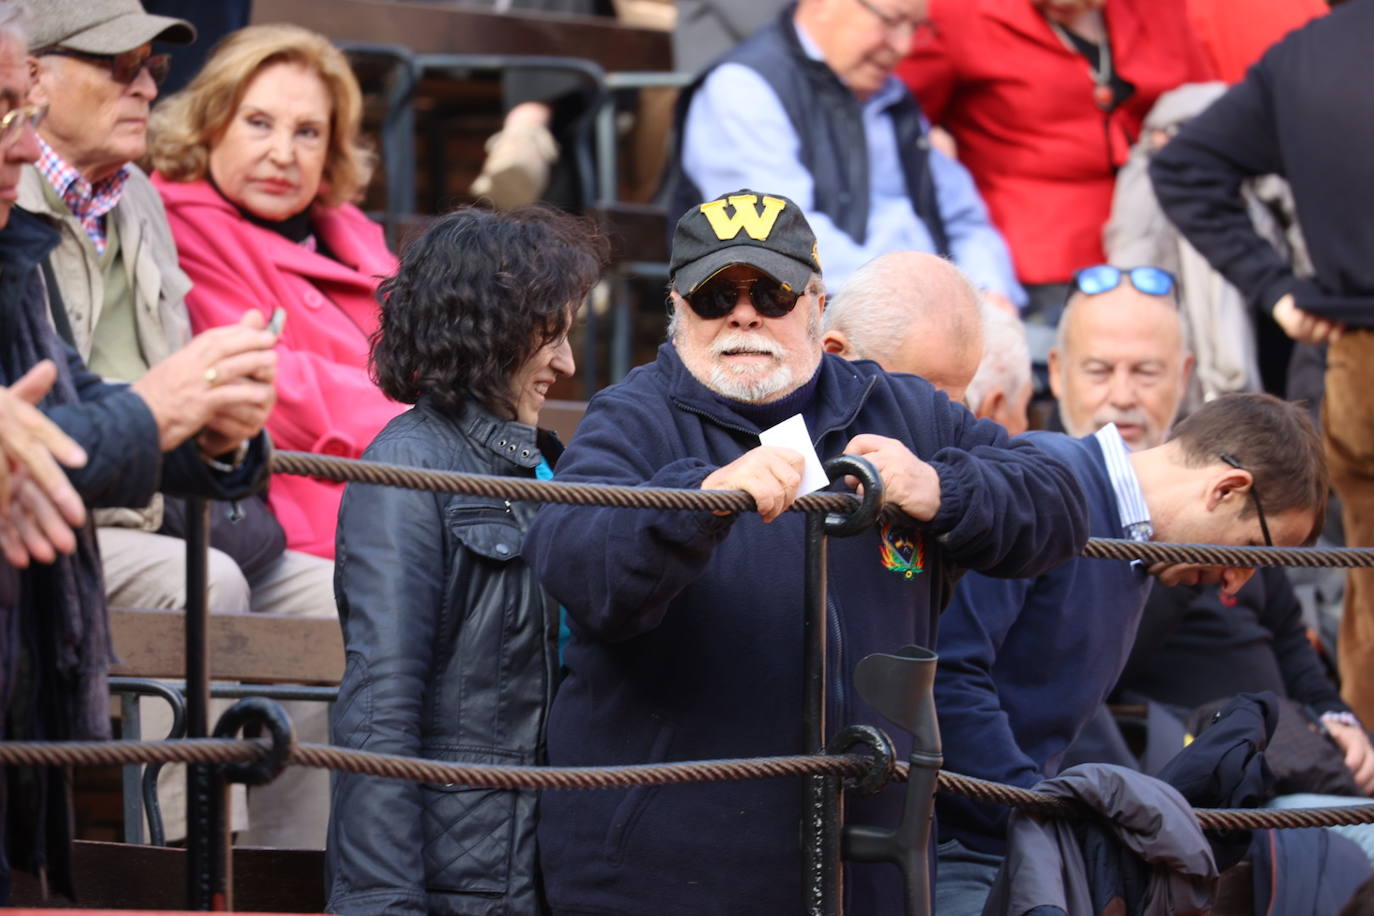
[[450, 640]]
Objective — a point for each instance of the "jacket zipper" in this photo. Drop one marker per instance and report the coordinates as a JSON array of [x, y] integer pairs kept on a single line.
[[714, 419]]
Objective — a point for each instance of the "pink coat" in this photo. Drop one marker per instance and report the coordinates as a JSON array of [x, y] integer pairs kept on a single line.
[[325, 401]]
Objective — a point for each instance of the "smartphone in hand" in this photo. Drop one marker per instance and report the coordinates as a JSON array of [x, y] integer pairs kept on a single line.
[[277, 321]]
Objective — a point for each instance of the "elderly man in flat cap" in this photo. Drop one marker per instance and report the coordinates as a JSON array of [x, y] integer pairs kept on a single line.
[[117, 296]]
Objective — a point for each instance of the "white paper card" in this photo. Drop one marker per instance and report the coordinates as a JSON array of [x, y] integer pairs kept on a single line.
[[792, 433]]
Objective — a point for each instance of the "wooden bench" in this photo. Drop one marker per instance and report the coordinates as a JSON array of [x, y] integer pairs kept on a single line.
[[258, 648]]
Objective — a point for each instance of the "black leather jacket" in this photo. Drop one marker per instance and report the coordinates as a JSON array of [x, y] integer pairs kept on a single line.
[[451, 654]]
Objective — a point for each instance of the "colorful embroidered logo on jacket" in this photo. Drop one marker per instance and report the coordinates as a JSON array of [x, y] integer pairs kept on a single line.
[[903, 550]]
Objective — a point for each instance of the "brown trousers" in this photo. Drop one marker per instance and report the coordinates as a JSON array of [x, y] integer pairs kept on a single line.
[[1348, 426]]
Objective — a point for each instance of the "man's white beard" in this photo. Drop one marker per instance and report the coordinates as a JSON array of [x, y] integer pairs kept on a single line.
[[742, 383], [735, 384]]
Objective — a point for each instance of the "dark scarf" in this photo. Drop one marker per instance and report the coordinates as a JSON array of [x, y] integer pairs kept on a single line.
[[299, 228], [54, 633]]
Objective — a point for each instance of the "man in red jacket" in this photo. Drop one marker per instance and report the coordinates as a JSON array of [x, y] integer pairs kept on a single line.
[[1044, 99]]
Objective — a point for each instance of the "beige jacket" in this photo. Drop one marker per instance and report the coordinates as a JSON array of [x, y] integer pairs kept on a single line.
[[1218, 322], [158, 283]]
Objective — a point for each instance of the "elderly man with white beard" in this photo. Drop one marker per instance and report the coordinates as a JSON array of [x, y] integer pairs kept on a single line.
[[687, 625]]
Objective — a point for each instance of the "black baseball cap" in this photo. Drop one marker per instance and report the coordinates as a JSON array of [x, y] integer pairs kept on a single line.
[[765, 231]]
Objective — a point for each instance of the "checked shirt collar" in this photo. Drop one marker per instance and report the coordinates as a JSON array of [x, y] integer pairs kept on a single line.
[[88, 202]]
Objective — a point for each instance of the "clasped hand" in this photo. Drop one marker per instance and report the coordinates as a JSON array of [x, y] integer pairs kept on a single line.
[[218, 388], [772, 476], [38, 506]]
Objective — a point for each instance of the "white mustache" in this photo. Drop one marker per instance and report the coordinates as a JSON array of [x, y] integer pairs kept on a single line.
[[1132, 417], [751, 343]]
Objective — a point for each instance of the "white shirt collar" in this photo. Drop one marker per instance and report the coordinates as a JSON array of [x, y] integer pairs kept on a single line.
[[1130, 499]]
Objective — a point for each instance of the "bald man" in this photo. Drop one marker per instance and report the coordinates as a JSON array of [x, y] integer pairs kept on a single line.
[[912, 312], [915, 312], [1001, 388], [1120, 357]]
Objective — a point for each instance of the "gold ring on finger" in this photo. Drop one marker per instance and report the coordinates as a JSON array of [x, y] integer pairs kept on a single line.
[[211, 376]]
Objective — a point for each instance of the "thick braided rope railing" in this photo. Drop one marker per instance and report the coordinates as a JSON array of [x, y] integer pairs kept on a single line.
[[323, 756], [582, 494], [530, 490]]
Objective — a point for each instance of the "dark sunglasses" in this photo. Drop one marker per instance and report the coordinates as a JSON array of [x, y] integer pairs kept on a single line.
[[12, 125], [1103, 278], [124, 68], [1254, 494], [717, 298]]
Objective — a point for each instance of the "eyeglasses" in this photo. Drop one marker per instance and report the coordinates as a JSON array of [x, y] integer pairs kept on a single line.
[[12, 125], [920, 28], [1103, 278], [717, 298], [124, 68], [1254, 494]]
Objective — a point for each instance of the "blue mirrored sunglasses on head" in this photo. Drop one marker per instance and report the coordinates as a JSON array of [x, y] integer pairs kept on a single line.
[[1103, 278]]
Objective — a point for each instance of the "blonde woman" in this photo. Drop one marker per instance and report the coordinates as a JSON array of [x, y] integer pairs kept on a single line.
[[257, 161]]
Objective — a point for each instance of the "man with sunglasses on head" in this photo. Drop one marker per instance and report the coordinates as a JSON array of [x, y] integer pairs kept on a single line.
[[1119, 354], [687, 625], [1025, 664], [810, 106]]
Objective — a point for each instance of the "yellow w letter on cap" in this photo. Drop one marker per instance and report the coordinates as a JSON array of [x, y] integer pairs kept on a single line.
[[746, 217]]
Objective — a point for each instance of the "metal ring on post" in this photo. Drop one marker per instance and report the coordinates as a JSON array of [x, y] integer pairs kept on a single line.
[[883, 762], [254, 713], [869, 507]]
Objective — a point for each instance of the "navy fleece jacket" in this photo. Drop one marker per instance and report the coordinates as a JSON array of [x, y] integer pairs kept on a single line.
[[687, 629], [1025, 663]]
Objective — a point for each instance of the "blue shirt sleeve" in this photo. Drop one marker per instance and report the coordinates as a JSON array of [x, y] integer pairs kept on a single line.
[[975, 244]]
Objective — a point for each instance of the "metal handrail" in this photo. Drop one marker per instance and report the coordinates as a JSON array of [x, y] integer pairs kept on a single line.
[[140, 789]]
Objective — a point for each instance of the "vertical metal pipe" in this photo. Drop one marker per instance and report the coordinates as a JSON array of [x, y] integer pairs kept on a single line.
[[398, 143], [607, 178], [130, 729], [820, 804], [206, 851], [622, 327]]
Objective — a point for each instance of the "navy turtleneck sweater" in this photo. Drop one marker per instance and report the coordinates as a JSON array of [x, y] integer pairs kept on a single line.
[[774, 412]]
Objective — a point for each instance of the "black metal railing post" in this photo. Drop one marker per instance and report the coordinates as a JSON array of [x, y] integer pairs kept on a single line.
[[822, 814], [207, 847], [820, 811]]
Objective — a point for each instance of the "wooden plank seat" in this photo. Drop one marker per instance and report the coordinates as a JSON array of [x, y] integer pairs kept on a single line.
[[258, 648]]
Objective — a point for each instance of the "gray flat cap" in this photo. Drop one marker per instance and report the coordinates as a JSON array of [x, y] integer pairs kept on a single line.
[[100, 26]]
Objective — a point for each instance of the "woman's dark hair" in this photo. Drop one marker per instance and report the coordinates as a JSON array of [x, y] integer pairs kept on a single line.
[[475, 297]]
